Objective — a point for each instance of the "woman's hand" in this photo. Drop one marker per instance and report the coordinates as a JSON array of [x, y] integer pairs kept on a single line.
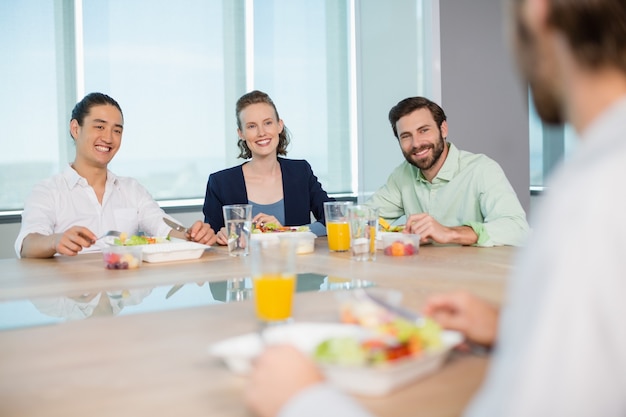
[[222, 237], [262, 219]]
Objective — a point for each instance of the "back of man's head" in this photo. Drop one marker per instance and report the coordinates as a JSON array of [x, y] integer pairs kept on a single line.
[[595, 30]]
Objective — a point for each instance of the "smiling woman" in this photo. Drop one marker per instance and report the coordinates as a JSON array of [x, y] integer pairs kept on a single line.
[[282, 191]]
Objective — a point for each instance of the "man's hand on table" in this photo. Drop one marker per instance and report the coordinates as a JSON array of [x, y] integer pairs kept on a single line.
[[430, 230]]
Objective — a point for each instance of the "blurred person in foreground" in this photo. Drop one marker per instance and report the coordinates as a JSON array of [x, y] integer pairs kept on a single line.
[[65, 214], [282, 192], [561, 343], [448, 195]]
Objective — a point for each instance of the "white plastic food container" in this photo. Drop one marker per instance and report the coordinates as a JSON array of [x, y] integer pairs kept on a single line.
[[239, 352], [305, 241], [173, 251]]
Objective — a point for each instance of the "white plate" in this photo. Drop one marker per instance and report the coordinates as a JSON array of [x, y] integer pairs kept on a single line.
[[239, 351], [173, 251]]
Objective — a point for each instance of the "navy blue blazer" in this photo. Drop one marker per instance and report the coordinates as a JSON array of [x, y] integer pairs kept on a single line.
[[302, 193]]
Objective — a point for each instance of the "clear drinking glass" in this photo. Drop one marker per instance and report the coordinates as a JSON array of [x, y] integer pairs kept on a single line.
[[337, 227], [273, 265], [238, 289], [238, 221], [363, 223]]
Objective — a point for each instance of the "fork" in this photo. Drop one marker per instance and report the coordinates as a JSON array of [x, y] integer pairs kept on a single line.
[[406, 314], [418, 319]]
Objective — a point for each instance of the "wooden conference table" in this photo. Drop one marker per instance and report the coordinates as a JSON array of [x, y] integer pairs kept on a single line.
[[156, 363]]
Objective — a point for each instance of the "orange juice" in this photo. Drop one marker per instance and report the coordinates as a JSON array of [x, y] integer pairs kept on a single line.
[[338, 236], [373, 240], [273, 294]]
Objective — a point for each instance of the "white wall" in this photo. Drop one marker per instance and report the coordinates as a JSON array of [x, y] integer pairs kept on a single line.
[[480, 92], [484, 100]]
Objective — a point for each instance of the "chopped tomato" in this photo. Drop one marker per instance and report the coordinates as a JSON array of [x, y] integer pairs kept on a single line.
[[397, 352]]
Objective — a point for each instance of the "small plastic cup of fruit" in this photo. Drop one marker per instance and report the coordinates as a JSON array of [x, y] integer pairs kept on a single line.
[[122, 257], [401, 244]]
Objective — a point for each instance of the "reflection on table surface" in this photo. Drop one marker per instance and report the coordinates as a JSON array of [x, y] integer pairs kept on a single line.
[[50, 310], [157, 364]]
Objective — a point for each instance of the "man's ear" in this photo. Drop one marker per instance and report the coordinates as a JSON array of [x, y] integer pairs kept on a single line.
[[444, 129], [74, 128]]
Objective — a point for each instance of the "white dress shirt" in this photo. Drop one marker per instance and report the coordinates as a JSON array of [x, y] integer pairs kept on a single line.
[[67, 200], [562, 335]]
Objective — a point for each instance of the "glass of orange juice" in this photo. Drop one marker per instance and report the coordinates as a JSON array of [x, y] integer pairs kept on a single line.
[[337, 226], [273, 279]]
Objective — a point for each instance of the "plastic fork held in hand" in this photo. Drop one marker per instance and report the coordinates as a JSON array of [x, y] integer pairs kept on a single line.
[[416, 318]]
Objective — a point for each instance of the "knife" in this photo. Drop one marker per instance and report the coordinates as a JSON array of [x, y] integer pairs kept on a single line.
[[173, 290], [175, 225]]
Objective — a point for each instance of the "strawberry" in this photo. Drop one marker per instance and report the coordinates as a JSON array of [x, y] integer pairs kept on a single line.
[[409, 249], [112, 258]]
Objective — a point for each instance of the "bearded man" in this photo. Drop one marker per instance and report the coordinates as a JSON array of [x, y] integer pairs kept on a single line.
[[448, 196]]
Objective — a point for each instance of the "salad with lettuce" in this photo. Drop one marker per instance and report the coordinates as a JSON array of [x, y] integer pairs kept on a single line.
[[392, 341], [388, 337], [275, 228], [135, 240]]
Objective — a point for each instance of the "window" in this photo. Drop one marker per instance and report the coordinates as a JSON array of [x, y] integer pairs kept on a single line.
[[301, 55], [177, 70], [164, 63], [29, 111], [549, 145]]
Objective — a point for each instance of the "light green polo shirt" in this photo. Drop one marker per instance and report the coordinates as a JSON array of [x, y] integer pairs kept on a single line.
[[469, 190]]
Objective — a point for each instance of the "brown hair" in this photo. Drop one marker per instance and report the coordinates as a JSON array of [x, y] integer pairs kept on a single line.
[[255, 97], [409, 105], [595, 29]]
